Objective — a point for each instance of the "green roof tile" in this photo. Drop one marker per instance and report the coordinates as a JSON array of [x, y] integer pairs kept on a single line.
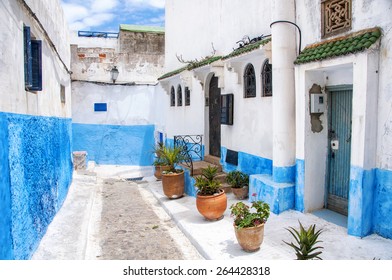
[[340, 46], [191, 66], [246, 49], [141, 28]]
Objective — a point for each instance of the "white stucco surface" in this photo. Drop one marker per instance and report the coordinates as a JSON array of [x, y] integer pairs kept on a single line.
[[13, 97]]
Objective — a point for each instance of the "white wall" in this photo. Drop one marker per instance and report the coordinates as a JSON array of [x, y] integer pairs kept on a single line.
[[126, 105], [13, 97], [366, 14], [221, 23]]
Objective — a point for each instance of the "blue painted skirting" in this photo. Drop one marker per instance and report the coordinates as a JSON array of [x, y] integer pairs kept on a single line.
[[36, 171], [6, 252], [360, 208], [247, 163], [115, 144], [383, 203], [300, 185], [284, 174]]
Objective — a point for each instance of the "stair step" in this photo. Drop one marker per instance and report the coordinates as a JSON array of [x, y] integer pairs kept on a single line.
[[198, 165], [212, 159]]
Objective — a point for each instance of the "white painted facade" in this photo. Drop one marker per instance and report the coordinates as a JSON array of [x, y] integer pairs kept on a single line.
[[126, 105], [46, 102], [279, 128]]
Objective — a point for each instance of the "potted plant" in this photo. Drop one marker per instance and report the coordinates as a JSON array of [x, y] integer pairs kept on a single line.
[[239, 183], [211, 200], [159, 162], [172, 178], [249, 223]]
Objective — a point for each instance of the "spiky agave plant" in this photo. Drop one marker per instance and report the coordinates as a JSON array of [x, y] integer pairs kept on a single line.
[[306, 240]]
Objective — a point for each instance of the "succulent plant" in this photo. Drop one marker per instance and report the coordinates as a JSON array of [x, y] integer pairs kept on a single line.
[[306, 240]]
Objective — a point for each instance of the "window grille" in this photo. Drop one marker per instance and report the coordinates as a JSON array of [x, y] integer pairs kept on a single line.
[[266, 78], [179, 95], [249, 81], [172, 97], [187, 96]]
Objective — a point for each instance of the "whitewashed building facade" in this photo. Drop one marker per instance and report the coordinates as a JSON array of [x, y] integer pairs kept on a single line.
[[310, 99]]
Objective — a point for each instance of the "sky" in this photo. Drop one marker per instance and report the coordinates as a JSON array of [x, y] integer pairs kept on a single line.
[[107, 15]]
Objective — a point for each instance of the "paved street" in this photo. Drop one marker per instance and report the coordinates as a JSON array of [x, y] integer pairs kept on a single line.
[[112, 219]]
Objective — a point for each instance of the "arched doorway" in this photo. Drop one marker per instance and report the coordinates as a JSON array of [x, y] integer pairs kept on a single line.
[[214, 104]]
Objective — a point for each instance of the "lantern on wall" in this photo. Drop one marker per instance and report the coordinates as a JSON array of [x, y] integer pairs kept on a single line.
[[114, 74]]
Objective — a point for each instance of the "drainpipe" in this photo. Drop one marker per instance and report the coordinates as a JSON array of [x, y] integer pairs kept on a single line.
[[284, 52]]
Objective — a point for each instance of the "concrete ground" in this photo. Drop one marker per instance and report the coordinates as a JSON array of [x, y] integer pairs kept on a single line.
[[108, 216]]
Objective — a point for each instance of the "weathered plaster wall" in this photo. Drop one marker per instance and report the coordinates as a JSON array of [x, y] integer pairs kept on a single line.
[[139, 57], [35, 127]]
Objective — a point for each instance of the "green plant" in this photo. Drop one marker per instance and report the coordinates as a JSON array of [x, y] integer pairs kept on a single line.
[[171, 156], [206, 182], [237, 179], [157, 150], [305, 239], [245, 216]]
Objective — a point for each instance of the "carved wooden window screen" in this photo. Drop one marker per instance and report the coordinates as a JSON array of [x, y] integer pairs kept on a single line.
[[249, 81], [335, 17]]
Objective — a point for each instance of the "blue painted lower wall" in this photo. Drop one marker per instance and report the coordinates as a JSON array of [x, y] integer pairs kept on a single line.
[[247, 163], [360, 208], [383, 203], [300, 185], [115, 144], [6, 252], [35, 183]]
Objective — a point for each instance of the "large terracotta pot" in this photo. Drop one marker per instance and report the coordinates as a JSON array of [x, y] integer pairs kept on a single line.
[[159, 169], [173, 184], [212, 207], [241, 193], [251, 238]]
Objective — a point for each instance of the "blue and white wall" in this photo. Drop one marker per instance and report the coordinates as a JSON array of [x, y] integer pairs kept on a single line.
[[35, 127], [370, 191], [122, 134], [271, 145]]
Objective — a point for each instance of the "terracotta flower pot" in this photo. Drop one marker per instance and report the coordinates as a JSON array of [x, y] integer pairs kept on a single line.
[[251, 238], [159, 169], [173, 184], [212, 207], [241, 193]]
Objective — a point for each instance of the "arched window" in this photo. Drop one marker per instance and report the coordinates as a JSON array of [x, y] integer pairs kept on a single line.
[[172, 97], [249, 81], [187, 96], [179, 95], [266, 78]]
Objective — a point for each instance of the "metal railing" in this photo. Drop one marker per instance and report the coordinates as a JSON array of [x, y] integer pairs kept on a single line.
[[192, 148], [98, 34]]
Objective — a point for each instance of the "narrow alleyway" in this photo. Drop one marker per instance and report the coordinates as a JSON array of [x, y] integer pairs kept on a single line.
[[112, 219]]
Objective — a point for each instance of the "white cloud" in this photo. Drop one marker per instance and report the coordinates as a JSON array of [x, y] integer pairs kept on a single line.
[[103, 5], [92, 14], [98, 19], [74, 12]]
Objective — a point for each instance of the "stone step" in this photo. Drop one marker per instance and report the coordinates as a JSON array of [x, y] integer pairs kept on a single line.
[[199, 165], [212, 159]]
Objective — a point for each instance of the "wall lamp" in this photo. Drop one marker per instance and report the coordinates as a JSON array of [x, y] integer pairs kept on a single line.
[[114, 73]]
